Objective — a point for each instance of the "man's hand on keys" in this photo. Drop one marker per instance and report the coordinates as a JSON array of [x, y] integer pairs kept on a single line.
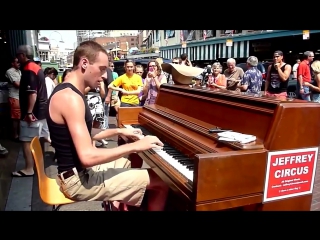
[[147, 143], [131, 132]]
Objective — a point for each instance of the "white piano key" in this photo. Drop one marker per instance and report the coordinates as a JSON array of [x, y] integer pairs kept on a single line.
[[128, 126]]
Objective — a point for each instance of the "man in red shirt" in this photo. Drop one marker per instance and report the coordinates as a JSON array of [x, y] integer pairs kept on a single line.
[[304, 75]]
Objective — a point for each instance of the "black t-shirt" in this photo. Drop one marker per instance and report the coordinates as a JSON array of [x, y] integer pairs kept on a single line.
[[32, 81], [108, 80]]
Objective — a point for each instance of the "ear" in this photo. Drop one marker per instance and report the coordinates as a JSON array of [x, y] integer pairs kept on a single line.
[[84, 63]]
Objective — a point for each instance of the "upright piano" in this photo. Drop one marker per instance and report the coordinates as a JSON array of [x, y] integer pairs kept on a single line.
[[208, 174]]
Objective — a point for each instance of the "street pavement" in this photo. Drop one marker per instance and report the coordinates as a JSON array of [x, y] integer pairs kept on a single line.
[[22, 194]]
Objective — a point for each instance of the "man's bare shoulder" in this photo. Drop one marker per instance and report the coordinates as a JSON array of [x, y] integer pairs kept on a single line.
[[66, 99]]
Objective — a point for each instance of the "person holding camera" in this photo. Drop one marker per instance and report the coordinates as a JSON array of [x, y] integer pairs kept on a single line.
[[152, 82], [184, 60]]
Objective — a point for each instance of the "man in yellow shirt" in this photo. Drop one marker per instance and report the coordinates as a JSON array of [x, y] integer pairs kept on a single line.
[[131, 84]]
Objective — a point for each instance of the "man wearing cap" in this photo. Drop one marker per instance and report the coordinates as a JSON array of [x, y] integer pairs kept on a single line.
[[37, 61], [252, 78], [33, 103]]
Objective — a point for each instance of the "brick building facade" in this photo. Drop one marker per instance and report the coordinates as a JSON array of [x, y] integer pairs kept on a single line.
[[123, 42]]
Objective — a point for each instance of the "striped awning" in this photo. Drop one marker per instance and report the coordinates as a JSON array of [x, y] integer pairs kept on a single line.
[[210, 52]]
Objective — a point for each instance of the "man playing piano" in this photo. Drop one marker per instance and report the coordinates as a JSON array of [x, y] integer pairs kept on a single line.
[[87, 173]]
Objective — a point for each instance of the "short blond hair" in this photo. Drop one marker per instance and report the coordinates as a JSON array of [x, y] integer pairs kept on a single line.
[[217, 65], [316, 66]]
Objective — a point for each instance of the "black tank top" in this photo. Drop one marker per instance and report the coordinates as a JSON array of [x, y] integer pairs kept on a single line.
[[65, 152], [277, 86]]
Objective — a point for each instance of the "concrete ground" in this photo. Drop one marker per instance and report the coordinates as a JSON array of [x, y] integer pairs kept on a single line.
[[22, 194]]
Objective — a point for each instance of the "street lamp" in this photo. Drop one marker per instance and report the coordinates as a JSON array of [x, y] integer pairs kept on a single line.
[[61, 41]]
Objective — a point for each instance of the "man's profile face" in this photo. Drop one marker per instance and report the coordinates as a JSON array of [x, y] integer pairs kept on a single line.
[[20, 57], [16, 63], [96, 71], [311, 57]]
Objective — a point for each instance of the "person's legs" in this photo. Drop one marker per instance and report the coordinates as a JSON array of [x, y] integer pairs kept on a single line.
[[122, 104], [45, 132], [116, 181], [106, 115], [15, 116], [27, 133]]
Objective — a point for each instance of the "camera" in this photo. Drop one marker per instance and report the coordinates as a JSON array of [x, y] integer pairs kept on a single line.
[[206, 72]]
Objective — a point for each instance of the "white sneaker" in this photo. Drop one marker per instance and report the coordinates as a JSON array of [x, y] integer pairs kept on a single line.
[[104, 142]]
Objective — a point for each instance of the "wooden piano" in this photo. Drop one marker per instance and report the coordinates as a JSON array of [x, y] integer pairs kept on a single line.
[[222, 175]]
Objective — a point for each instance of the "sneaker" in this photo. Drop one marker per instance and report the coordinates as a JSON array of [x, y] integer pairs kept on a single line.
[[3, 151], [104, 142]]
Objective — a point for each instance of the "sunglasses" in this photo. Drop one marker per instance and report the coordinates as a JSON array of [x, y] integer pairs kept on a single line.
[[175, 62], [111, 66]]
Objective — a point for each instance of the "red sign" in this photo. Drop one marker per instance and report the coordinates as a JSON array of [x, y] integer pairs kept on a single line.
[[290, 173]]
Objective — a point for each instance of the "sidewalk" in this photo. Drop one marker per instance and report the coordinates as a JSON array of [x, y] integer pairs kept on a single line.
[[22, 194]]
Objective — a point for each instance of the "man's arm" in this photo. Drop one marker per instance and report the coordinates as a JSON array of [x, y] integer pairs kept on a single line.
[[284, 75], [73, 114], [115, 84], [109, 80], [266, 86], [241, 74], [98, 134], [301, 69]]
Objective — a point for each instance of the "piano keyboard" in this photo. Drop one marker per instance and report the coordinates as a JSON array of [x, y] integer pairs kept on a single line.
[[175, 158]]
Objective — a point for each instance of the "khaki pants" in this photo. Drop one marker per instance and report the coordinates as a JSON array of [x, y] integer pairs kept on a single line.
[[114, 181]]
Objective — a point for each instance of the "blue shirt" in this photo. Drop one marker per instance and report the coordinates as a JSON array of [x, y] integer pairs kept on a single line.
[[115, 75], [253, 78]]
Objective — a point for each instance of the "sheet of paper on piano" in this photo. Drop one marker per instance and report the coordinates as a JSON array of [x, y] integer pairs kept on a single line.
[[236, 137]]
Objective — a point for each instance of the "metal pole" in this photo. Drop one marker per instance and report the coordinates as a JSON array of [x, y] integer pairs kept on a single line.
[[116, 46]]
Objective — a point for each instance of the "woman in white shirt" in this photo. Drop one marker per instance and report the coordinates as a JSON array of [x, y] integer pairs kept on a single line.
[[51, 75]]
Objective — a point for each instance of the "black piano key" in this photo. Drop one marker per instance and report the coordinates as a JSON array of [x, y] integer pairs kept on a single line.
[[182, 158], [186, 162], [175, 155], [190, 167]]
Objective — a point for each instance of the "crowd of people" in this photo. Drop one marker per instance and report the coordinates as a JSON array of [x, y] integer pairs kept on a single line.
[[73, 117], [305, 72]]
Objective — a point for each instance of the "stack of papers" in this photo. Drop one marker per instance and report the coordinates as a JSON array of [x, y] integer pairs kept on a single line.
[[236, 137]]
